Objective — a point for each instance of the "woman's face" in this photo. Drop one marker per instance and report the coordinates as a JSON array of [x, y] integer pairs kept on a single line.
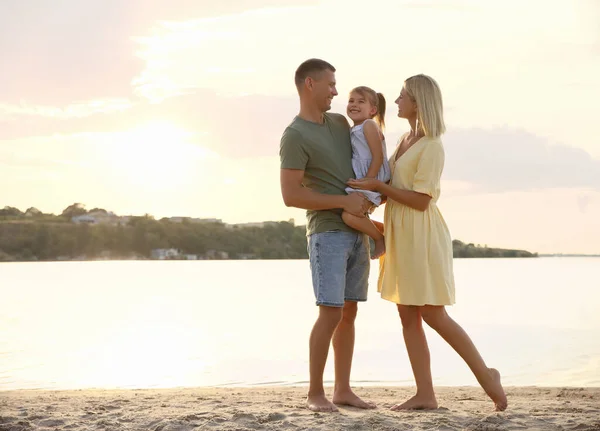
[[406, 107]]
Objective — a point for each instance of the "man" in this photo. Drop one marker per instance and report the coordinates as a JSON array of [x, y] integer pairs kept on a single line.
[[316, 162]]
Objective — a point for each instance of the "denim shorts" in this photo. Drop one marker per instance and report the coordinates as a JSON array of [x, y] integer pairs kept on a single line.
[[340, 263]]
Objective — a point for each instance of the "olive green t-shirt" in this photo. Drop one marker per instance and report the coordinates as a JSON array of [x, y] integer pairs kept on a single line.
[[324, 153]]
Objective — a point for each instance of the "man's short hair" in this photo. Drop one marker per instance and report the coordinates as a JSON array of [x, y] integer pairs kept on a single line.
[[310, 68]]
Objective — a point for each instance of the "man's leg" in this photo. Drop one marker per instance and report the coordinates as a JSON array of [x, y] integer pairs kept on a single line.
[[357, 278], [328, 254], [320, 340], [343, 347]]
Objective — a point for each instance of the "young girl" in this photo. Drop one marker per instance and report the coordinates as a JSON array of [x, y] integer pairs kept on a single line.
[[366, 109]]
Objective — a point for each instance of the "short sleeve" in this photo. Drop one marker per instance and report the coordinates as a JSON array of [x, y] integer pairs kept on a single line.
[[429, 170], [292, 152], [344, 121]]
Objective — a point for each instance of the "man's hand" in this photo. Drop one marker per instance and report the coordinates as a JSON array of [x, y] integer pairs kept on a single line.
[[357, 204]]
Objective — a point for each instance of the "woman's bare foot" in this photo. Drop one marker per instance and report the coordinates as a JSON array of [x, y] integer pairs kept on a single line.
[[418, 402], [349, 398], [379, 248], [320, 403], [495, 390]]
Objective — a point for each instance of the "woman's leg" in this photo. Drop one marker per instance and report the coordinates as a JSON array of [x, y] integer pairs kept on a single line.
[[365, 225], [418, 353], [455, 335]]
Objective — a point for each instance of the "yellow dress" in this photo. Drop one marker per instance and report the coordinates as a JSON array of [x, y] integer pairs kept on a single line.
[[417, 267]]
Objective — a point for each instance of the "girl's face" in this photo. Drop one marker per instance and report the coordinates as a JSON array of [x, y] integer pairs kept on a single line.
[[360, 108], [407, 108]]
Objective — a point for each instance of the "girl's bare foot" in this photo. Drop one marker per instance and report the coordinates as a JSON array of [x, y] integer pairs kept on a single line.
[[418, 402], [495, 390], [379, 248], [319, 403]]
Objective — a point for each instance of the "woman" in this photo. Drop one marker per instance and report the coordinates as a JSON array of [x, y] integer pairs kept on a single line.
[[416, 272]]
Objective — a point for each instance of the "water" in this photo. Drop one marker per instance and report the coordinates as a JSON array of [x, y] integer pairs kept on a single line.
[[155, 324]]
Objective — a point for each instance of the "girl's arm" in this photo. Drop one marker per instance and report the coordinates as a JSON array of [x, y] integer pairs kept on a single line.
[[373, 136]]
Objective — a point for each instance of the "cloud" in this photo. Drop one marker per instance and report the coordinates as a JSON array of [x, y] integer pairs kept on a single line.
[[507, 159], [442, 5], [495, 159], [64, 51], [79, 67], [248, 126], [76, 110], [583, 201]]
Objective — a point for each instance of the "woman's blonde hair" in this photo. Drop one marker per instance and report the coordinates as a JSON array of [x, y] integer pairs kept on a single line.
[[426, 93]]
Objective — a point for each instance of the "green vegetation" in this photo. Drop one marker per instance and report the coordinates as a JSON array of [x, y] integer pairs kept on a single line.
[[461, 249], [32, 235]]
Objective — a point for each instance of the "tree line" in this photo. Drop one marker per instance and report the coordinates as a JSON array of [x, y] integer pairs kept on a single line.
[[32, 235]]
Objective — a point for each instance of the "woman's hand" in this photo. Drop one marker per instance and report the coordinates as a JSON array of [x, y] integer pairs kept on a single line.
[[372, 184]]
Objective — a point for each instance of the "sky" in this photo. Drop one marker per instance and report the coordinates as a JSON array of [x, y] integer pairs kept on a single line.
[[176, 108]]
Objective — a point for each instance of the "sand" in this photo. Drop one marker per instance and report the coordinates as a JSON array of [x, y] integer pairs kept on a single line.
[[282, 408]]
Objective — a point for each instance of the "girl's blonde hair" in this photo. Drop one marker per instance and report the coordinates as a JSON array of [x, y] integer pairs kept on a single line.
[[377, 100], [426, 93]]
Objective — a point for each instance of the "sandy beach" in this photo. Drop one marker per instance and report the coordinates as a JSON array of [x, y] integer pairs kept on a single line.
[[281, 408]]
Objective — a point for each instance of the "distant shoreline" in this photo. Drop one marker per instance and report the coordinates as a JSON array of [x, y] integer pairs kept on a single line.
[[81, 235], [568, 255], [596, 256]]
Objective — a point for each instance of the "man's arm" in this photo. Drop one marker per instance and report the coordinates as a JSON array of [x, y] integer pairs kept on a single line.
[[296, 195]]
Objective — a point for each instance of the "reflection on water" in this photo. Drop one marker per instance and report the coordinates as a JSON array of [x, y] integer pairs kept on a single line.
[[167, 324]]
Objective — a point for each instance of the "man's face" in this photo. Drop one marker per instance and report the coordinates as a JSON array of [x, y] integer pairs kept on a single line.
[[323, 89]]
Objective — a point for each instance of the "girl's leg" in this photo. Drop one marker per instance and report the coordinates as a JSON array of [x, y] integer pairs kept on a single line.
[[365, 225], [418, 353], [455, 335], [378, 225]]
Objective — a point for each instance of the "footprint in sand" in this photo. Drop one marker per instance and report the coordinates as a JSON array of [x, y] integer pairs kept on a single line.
[[243, 417], [110, 407], [275, 417], [247, 420], [50, 422]]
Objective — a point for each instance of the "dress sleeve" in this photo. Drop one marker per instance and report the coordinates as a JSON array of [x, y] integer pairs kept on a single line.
[[429, 169]]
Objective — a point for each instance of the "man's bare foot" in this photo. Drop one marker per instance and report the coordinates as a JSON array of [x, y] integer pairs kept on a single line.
[[349, 398], [379, 248], [418, 402], [495, 391], [319, 403]]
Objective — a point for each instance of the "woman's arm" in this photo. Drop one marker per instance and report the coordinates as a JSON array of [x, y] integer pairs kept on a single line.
[[426, 181], [416, 200], [373, 137]]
